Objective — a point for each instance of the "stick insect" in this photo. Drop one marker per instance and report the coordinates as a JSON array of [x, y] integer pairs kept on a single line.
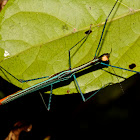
[[66, 74]]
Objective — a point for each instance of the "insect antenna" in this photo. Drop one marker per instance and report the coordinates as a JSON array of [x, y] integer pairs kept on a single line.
[[99, 44]]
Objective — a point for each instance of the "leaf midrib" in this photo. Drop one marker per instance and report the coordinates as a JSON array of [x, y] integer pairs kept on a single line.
[[86, 28]]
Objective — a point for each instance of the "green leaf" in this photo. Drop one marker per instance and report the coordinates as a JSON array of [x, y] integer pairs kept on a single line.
[[35, 37]]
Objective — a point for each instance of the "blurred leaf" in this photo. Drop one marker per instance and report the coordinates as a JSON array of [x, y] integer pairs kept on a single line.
[[2, 4], [35, 37], [18, 128]]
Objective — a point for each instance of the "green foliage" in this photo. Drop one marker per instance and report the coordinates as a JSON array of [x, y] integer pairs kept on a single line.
[[35, 37]]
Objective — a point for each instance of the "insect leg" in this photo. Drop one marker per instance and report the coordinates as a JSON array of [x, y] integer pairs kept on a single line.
[[97, 91], [90, 95], [43, 100], [120, 68], [50, 97], [21, 80], [118, 80], [83, 98], [84, 38]]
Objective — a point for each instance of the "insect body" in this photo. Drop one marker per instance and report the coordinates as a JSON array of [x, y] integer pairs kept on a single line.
[[61, 76], [67, 74]]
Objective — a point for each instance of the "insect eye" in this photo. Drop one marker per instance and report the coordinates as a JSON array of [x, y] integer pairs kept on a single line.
[[132, 66]]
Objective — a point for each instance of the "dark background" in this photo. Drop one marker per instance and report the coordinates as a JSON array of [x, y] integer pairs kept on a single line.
[[70, 118]]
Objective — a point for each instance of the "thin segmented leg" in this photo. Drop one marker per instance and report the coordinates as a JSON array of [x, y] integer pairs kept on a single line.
[[83, 39], [97, 91], [76, 82], [120, 68], [50, 98], [83, 98], [21, 80], [109, 65]]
